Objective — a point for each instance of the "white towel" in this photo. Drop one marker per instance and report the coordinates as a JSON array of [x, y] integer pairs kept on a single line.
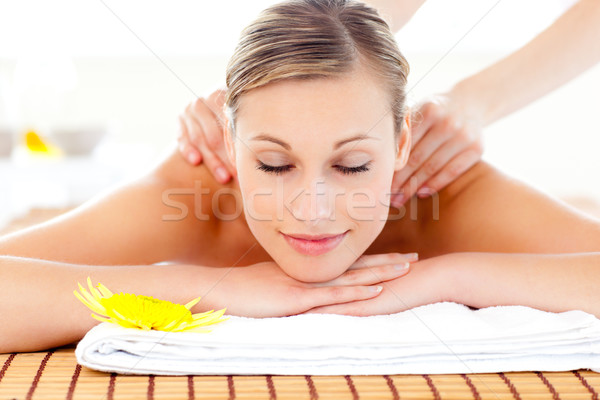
[[437, 338]]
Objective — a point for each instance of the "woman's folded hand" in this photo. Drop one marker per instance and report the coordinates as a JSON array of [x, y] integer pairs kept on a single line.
[[426, 283], [264, 290]]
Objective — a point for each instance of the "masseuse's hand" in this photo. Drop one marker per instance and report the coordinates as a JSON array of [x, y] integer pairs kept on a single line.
[[264, 290], [428, 282], [201, 135], [446, 141]]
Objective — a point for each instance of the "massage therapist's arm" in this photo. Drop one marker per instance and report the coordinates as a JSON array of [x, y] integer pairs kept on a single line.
[[447, 127], [558, 54], [396, 13]]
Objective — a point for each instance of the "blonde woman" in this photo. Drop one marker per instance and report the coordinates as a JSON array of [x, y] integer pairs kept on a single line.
[[317, 126]]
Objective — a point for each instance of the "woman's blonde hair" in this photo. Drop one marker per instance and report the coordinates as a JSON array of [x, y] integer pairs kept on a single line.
[[306, 39]]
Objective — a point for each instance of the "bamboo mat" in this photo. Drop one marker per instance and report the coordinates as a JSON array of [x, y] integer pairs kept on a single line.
[[56, 375]]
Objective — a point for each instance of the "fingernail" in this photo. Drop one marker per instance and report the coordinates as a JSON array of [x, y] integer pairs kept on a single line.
[[424, 192], [193, 157], [222, 174], [376, 289], [413, 256], [401, 267], [398, 200]]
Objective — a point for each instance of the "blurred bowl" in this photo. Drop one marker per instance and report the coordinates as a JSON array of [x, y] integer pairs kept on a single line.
[[7, 138], [78, 141]]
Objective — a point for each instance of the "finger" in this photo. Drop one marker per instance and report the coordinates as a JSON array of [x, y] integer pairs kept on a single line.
[[216, 102], [208, 120], [189, 152], [194, 127], [433, 139], [456, 167], [370, 275], [408, 181], [340, 309], [435, 163], [356, 308], [421, 121], [374, 260], [213, 141], [216, 166], [320, 296]]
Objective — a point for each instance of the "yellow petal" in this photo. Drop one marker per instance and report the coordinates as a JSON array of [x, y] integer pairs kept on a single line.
[[209, 315], [99, 318], [89, 305], [192, 303], [90, 298], [93, 290], [104, 290], [144, 312], [126, 324]]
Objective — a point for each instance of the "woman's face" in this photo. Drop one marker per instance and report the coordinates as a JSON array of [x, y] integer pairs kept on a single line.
[[316, 157]]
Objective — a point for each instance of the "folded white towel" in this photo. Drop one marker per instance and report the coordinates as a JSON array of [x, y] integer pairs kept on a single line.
[[437, 338]]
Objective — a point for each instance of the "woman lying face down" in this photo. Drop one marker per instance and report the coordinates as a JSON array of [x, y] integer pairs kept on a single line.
[[317, 125]]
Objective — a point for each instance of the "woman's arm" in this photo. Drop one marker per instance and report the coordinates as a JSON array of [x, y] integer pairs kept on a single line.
[[39, 309], [551, 282]]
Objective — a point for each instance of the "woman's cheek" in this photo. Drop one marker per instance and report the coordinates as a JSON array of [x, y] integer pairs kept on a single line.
[[369, 203]]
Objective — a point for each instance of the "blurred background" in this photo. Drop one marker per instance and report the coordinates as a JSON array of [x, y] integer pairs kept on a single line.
[[90, 91]]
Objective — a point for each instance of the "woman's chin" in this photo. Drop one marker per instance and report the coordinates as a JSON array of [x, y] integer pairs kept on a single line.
[[312, 274]]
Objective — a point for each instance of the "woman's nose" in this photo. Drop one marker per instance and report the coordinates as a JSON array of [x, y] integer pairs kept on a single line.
[[315, 202]]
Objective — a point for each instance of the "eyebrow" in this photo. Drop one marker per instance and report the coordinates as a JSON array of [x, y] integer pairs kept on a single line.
[[269, 138]]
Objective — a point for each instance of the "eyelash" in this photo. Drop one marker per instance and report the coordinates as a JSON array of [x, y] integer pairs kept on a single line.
[[285, 168]]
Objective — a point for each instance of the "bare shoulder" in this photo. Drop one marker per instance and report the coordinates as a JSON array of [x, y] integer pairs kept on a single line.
[[212, 213], [486, 210], [192, 193], [149, 219]]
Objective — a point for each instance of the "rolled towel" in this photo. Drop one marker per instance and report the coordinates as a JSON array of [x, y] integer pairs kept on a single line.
[[439, 338]]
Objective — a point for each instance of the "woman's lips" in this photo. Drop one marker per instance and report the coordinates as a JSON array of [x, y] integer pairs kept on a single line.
[[314, 247]]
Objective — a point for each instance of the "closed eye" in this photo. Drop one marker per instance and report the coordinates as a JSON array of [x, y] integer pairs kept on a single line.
[[285, 168]]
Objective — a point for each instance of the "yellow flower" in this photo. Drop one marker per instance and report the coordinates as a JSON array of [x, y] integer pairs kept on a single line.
[[144, 312], [36, 145]]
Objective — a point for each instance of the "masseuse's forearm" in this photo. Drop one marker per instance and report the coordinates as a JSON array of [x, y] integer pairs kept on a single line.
[[396, 13], [550, 282], [558, 54], [39, 310]]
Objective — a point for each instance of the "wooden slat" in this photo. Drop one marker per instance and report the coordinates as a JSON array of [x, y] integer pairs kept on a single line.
[[56, 375]]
